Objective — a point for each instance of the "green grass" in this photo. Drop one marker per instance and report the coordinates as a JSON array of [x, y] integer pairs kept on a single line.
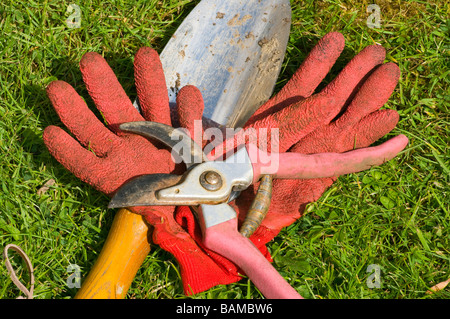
[[395, 216]]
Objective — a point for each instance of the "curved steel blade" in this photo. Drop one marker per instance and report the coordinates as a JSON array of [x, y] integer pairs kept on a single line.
[[180, 143], [141, 191]]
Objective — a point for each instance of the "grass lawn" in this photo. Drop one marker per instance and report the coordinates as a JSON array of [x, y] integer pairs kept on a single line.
[[395, 217]]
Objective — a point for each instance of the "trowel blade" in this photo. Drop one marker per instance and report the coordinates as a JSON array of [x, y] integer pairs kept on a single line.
[[232, 51]]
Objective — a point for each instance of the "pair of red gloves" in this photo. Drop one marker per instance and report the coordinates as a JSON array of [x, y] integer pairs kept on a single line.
[[343, 116]]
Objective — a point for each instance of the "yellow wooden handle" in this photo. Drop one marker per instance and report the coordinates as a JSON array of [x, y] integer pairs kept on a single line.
[[122, 255]]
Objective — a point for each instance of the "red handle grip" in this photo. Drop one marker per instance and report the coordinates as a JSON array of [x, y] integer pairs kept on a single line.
[[225, 239], [296, 165]]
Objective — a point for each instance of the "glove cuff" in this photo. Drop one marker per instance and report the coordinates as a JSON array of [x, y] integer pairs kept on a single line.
[[198, 271]]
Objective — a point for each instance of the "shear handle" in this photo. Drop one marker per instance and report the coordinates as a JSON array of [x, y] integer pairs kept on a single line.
[[224, 239], [296, 165]]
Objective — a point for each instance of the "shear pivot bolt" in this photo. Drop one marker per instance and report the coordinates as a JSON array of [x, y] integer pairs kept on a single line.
[[211, 180]]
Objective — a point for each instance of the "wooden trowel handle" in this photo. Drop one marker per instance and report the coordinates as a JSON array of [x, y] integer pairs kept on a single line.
[[122, 255]]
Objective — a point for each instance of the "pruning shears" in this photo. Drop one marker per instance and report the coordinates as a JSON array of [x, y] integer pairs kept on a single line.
[[208, 186]]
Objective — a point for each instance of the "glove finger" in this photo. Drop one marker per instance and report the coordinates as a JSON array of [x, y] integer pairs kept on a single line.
[[151, 86], [373, 94], [342, 87], [106, 91], [336, 139], [373, 127], [190, 107], [76, 116], [309, 75], [67, 151], [316, 66]]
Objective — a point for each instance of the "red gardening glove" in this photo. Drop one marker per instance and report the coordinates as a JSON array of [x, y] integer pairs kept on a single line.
[[313, 124], [343, 116], [106, 158], [198, 270]]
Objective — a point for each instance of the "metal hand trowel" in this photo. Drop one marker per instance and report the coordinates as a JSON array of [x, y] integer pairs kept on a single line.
[[232, 51]]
